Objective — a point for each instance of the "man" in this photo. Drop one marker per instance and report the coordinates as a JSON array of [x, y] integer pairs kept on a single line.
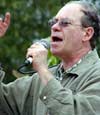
[[70, 88]]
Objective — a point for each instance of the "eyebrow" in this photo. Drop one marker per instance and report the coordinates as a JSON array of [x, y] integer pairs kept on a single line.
[[63, 18]]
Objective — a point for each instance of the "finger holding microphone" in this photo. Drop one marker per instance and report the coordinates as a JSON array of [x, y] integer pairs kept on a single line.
[[37, 55]]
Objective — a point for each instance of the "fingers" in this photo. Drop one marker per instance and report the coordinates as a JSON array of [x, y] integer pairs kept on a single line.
[[35, 49], [7, 19], [4, 24]]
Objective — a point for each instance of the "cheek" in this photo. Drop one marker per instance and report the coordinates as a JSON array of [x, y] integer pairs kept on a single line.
[[68, 37], [72, 38]]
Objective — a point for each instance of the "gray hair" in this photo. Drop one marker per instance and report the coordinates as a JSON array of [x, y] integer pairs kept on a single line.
[[90, 18]]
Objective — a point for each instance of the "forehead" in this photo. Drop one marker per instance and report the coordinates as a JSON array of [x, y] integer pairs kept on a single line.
[[73, 11]]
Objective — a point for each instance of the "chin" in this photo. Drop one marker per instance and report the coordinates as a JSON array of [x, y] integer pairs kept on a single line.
[[55, 53]]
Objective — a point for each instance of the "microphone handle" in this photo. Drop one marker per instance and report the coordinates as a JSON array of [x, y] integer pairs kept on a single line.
[[28, 60]]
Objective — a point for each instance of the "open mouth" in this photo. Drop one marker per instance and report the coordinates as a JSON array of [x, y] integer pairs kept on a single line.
[[56, 39]]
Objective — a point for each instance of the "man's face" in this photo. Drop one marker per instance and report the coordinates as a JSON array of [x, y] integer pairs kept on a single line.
[[66, 31]]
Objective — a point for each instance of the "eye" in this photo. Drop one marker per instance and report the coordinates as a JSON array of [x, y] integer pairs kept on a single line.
[[51, 22], [64, 23]]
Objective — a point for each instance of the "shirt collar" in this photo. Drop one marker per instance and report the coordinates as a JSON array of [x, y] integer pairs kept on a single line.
[[81, 66]]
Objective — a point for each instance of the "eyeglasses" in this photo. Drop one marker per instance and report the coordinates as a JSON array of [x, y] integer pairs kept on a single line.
[[62, 23]]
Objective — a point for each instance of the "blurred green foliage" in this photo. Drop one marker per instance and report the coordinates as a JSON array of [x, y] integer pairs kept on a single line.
[[28, 22]]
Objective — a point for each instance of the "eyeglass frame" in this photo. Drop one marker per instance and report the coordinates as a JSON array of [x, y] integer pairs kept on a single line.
[[64, 22]]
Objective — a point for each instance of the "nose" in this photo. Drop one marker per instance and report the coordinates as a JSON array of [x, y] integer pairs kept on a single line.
[[56, 27]]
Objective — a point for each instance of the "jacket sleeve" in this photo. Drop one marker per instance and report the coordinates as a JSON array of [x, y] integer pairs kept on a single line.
[[14, 95], [62, 101]]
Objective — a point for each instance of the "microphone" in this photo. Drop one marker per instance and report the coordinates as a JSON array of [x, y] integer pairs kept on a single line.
[[43, 42]]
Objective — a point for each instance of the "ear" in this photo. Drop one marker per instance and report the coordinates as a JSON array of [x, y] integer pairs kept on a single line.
[[88, 33]]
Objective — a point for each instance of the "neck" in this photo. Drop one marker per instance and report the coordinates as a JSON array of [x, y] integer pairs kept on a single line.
[[68, 62]]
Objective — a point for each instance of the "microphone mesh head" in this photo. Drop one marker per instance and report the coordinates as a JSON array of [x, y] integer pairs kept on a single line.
[[45, 43]]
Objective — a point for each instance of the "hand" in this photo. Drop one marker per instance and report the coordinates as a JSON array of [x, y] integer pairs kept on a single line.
[[39, 54], [4, 24]]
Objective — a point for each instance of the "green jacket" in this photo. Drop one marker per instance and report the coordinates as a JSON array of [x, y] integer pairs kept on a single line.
[[78, 93]]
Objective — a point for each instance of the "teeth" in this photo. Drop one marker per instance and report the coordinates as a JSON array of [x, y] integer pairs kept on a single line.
[[56, 39]]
